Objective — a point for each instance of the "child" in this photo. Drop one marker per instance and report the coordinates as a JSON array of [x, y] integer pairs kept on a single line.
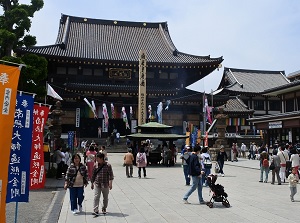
[[293, 180]]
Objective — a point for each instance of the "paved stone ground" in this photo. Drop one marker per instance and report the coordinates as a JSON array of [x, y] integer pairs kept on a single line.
[[158, 198]]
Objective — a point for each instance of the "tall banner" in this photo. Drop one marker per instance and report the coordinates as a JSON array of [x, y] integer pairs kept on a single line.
[[20, 152], [142, 88], [9, 78], [37, 165], [71, 140]]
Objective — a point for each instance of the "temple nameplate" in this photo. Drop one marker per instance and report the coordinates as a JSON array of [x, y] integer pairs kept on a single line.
[[119, 73]]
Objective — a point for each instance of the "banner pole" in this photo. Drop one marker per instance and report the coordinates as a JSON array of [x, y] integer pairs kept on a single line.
[[16, 212]]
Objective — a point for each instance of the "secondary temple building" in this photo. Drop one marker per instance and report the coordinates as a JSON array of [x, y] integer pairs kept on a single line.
[[98, 60]]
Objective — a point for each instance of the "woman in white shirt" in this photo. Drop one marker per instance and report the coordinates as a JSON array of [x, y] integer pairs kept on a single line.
[[295, 160]]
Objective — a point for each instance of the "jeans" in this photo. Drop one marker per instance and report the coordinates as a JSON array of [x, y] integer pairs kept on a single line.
[[206, 173], [262, 170], [76, 197], [196, 184], [221, 165], [98, 191], [186, 174], [293, 192]]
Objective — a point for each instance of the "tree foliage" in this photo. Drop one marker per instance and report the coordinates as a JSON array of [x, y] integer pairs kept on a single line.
[[15, 24]]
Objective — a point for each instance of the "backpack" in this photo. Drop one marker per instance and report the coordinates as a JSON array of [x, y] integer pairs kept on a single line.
[[140, 158], [265, 162], [207, 163]]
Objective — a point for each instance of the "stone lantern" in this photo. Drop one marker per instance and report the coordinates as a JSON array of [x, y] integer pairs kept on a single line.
[[56, 129]]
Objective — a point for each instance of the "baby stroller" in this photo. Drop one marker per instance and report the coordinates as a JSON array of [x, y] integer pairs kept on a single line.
[[218, 193]]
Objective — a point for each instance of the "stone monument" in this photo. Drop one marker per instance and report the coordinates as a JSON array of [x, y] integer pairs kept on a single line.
[[221, 127], [56, 129]]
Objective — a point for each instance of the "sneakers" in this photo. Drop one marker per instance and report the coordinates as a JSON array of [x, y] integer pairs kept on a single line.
[[96, 213], [104, 210], [186, 201], [75, 211], [202, 202], [80, 208], [223, 175]]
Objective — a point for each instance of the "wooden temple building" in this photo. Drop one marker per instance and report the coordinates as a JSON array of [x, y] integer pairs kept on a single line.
[[246, 98], [99, 60], [283, 126]]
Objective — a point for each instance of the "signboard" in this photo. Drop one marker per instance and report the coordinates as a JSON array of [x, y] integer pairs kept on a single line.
[[9, 77], [77, 118], [37, 165], [275, 125], [142, 112], [20, 152], [104, 127]]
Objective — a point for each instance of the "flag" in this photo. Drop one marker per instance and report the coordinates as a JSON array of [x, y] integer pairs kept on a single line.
[[52, 93], [9, 77], [37, 164], [20, 152]]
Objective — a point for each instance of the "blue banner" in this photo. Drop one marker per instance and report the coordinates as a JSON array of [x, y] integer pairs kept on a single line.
[[194, 137], [71, 140], [20, 152]]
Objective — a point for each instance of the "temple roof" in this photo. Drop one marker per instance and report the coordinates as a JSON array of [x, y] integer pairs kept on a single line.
[[251, 81], [282, 89], [276, 117], [236, 105], [108, 40]]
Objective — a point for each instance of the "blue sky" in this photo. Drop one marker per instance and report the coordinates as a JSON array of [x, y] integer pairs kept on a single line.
[[249, 34]]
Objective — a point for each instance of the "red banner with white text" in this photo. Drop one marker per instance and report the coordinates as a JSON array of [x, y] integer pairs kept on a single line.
[[37, 165]]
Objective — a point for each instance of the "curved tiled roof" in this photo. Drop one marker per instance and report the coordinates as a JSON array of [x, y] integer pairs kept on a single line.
[[108, 40], [236, 105], [251, 81]]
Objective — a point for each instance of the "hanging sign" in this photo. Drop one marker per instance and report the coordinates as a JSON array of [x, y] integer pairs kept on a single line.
[[9, 77], [20, 152], [37, 165]]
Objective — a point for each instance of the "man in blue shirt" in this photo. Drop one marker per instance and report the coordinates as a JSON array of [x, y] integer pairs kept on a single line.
[[195, 172]]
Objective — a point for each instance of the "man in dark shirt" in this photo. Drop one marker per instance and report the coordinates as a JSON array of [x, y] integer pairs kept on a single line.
[[102, 182], [195, 172]]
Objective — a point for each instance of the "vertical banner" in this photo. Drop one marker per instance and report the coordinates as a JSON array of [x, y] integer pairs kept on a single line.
[[71, 140], [142, 88], [9, 77], [77, 118], [20, 153], [37, 165]]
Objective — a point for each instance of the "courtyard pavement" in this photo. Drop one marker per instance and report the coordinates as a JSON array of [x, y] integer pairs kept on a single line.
[[158, 198]]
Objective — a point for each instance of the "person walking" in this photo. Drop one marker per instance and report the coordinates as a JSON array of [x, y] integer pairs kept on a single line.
[[276, 161], [234, 152], [90, 160], [59, 157], [102, 182], [264, 166], [128, 162], [184, 157], [243, 150], [206, 165], [293, 179], [295, 160], [141, 162], [75, 180], [284, 156], [221, 157], [195, 172]]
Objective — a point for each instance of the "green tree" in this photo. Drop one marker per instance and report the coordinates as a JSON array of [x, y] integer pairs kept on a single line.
[[15, 24]]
